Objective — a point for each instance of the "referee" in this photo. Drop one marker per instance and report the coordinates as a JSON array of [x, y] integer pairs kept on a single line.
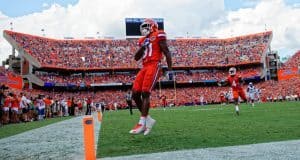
[[129, 100]]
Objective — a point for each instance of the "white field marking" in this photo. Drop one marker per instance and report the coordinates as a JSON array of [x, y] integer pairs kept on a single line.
[[206, 109], [261, 151]]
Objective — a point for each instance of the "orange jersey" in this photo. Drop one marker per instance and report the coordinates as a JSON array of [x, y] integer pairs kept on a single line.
[[222, 95], [7, 102], [15, 103], [164, 98], [47, 101], [153, 53], [235, 82], [69, 103]]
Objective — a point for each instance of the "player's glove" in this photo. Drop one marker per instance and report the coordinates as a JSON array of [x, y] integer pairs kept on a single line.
[[146, 42]]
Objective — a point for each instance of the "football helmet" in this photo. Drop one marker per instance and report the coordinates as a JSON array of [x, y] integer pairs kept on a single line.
[[232, 71], [148, 26], [251, 84]]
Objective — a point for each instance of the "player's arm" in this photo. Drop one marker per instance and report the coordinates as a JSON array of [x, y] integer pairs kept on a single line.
[[139, 53], [165, 49], [241, 80], [223, 83]]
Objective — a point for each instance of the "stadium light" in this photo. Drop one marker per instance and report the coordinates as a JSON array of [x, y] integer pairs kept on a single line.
[[11, 26], [265, 27], [43, 32], [98, 35]]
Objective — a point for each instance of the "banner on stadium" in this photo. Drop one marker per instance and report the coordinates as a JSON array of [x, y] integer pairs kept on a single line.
[[49, 84], [12, 81], [284, 74]]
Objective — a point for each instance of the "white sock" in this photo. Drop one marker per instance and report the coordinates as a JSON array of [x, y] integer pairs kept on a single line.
[[237, 108], [149, 117], [142, 120]]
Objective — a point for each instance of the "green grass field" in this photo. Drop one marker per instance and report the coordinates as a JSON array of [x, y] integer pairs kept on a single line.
[[13, 129], [199, 127]]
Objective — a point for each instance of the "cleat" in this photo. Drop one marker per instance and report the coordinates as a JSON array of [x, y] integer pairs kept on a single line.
[[138, 128], [149, 124]]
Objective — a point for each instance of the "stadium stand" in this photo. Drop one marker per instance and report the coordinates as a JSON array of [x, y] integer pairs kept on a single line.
[[293, 62], [103, 54]]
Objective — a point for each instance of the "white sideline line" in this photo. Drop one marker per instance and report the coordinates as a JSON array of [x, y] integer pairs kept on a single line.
[[273, 150]]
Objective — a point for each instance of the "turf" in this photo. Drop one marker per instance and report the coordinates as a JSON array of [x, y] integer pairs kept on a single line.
[[13, 129], [199, 127]]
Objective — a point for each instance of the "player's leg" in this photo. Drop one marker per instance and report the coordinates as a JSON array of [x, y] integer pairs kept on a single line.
[[146, 103], [242, 94], [137, 89], [236, 102], [252, 99], [137, 97], [149, 121], [152, 75], [140, 126]]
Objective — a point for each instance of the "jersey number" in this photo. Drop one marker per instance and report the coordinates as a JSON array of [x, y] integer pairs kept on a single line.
[[233, 84], [148, 51]]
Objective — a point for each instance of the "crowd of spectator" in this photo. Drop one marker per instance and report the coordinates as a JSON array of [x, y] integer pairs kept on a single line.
[[292, 62], [214, 75], [91, 54], [181, 76], [272, 90], [87, 79], [26, 106]]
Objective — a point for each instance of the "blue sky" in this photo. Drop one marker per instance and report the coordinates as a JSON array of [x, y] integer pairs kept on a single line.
[[237, 4], [16, 8]]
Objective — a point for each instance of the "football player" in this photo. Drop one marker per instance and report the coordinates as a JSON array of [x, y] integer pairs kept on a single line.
[[164, 101], [153, 46], [251, 90], [222, 98], [235, 80]]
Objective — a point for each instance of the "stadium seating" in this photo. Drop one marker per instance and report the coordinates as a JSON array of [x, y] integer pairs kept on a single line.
[[293, 62], [111, 54], [214, 75], [77, 79], [181, 77]]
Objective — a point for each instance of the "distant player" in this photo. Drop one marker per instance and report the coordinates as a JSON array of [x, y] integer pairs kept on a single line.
[[257, 94], [164, 101], [153, 45], [222, 98], [251, 90], [235, 80], [128, 98]]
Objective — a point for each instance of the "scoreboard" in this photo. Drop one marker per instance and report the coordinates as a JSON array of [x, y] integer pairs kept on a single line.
[[133, 25]]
